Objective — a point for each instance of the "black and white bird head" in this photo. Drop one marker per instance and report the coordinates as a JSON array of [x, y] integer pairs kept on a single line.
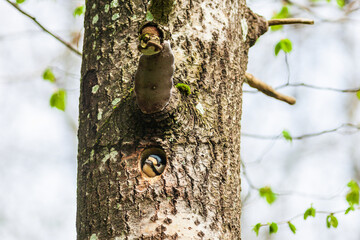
[[153, 166]]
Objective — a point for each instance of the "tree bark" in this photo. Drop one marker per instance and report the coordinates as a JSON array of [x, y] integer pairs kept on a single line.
[[198, 194]]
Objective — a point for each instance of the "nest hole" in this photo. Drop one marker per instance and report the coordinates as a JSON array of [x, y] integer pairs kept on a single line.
[[153, 161]]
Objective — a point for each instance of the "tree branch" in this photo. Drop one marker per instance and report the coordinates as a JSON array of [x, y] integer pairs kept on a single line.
[[305, 85], [318, 87], [321, 19], [302, 214], [68, 45], [299, 6], [312, 196], [350, 125], [284, 21], [291, 193], [267, 89]]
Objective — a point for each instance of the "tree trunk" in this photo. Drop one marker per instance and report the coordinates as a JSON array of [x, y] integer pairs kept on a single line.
[[198, 194]]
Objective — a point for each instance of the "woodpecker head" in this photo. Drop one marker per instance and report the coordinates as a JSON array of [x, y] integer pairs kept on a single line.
[[149, 44], [150, 40], [153, 166]]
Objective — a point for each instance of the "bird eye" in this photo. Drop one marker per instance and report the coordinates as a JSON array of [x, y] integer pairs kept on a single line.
[[145, 38]]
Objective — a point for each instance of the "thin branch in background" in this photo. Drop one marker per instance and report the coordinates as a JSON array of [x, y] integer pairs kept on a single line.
[[352, 7], [345, 125], [245, 199], [68, 45], [318, 87], [249, 182], [345, 17], [264, 152], [313, 196], [351, 90], [72, 123], [292, 193], [287, 68], [302, 7], [264, 137], [283, 21], [74, 75]]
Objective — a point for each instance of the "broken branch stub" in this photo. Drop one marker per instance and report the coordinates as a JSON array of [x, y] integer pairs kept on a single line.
[[267, 89]]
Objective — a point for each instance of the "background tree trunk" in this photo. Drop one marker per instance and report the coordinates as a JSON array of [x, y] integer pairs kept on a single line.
[[198, 195]]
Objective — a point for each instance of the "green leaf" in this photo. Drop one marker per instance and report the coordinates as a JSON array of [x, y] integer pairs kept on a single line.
[[292, 227], [286, 45], [283, 44], [353, 185], [331, 221], [340, 3], [20, 1], [283, 13], [277, 48], [149, 17], [273, 228], [256, 228], [79, 11], [268, 194], [49, 75], [58, 99], [309, 212], [287, 136], [358, 94], [351, 208], [352, 197]]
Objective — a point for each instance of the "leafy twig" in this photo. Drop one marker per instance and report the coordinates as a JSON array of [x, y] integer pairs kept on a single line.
[[68, 45], [289, 193], [302, 214], [350, 125]]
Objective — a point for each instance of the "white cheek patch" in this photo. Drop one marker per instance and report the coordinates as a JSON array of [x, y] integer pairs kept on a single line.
[[148, 171]]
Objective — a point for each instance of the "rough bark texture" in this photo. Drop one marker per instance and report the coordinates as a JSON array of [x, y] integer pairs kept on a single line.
[[198, 195]]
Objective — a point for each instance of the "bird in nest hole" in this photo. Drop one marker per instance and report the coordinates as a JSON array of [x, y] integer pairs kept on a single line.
[[153, 166]]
